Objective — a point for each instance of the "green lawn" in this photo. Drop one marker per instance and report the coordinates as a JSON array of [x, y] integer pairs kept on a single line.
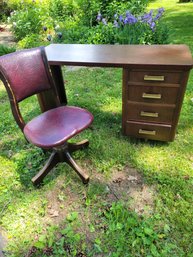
[[139, 200]]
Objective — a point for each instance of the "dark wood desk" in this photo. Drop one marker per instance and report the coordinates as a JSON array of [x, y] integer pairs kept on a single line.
[[154, 82]]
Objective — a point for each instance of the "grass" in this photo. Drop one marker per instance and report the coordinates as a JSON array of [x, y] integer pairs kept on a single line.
[[66, 218]]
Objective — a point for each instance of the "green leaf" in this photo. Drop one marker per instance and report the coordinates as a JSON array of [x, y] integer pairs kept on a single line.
[[154, 251], [39, 244], [72, 216], [166, 228], [148, 231]]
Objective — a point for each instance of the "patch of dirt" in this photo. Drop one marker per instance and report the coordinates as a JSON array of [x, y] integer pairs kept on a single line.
[[126, 185], [64, 199], [129, 185], [6, 37]]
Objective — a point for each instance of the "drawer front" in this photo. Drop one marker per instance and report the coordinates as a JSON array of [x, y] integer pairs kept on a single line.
[[152, 94], [150, 112], [148, 131], [155, 76]]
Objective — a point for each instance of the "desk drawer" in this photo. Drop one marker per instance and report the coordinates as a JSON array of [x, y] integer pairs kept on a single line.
[[148, 130], [152, 76], [152, 94], [150, 112]]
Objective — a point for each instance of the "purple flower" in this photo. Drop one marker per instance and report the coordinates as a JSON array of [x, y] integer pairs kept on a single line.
[[152, 25], [161, 10], [147, 16], [159, 13], [116, 24], [99, 16], [130, 19], [121, 18], [104, 21]]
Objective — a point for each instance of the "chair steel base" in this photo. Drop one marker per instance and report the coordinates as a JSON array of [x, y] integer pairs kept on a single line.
[[63, 154]]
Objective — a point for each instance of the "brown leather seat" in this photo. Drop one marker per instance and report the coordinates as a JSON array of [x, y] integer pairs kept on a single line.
[[26, 73]]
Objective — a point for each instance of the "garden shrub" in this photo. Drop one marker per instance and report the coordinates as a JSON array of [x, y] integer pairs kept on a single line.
[[124, 29], [100, 35], [130, 29], [88, 21], [72, 35], [25, 22], [22, 4], [4, 10], [61, 9], [30, 41], [108, 8]]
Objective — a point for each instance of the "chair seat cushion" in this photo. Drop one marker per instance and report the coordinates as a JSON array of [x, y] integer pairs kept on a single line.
[[54, 127]]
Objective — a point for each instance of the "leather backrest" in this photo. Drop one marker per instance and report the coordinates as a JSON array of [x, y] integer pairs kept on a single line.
[[25, 72]]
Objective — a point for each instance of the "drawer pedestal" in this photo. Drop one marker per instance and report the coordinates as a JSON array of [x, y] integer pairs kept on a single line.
[[152, 101]]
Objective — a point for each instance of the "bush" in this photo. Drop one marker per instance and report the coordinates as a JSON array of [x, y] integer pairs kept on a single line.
[[125, 29], [5, 11], [22, 4], [25, 22], [61, 9], [68, 21], [108, 8], [30, 41], [100, 35], [130, 29]]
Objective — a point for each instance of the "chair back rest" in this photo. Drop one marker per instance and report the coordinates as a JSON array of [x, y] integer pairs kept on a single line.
[[25, 72]]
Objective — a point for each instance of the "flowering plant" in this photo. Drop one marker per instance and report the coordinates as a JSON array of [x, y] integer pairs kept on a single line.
[[129, 29]]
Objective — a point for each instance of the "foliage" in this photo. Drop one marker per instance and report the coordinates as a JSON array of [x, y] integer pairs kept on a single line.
[[124, 29], [25, 22], [73, 18], [6, 49], [129, 29], [32, 40], [22, 4], [4, 10], [126, 234], [61, 9], [108, 8]]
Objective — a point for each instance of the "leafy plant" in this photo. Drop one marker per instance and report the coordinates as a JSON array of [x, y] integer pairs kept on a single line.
[[126, 234], [6, 49], [5, 10], [26, 21], [32, 40], [129, 29], [62, 9]]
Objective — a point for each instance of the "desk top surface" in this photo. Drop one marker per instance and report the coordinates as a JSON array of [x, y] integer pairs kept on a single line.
[[120, 55]]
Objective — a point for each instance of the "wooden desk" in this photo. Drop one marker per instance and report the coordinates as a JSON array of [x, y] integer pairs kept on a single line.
[[154, 82]]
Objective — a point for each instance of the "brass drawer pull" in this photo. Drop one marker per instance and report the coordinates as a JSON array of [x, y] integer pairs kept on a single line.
[[147, 132], [149, 114], [153, 78], [151, 96]]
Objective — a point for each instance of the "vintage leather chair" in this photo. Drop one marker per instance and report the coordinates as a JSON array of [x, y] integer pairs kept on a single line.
[[25, 73]]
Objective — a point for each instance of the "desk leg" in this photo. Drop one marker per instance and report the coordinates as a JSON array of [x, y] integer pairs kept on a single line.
[[46, 99], [59, 81], [125, 78]]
